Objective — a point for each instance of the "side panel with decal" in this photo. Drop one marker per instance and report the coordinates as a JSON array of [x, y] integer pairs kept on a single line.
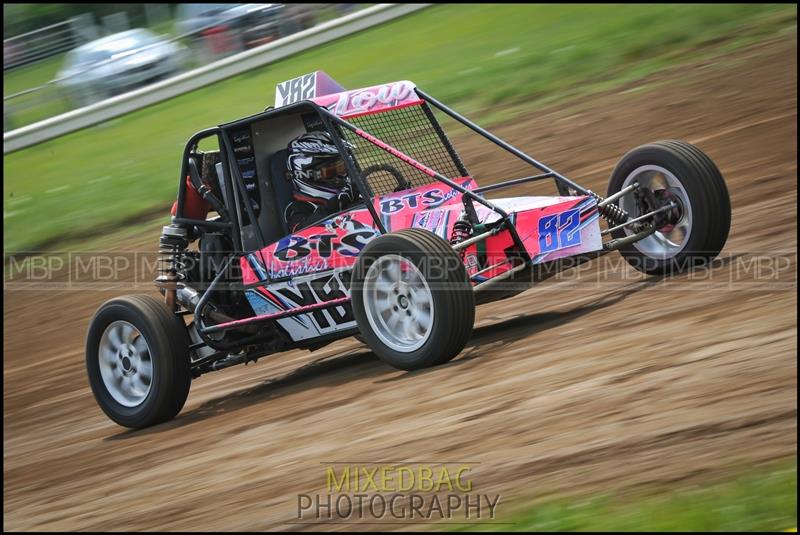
[[564, 229], [549, 227], [302, 291], [313, 265], [333, 244], [337, 242]]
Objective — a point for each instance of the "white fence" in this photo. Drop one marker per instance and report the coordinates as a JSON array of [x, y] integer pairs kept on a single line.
[[208, 74], [37, 45]]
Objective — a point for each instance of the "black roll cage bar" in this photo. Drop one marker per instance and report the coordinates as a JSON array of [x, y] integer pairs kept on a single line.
[[236, 191]]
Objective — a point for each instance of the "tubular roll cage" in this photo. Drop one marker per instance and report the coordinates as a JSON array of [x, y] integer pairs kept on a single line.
[[235, 187], [236, 192]]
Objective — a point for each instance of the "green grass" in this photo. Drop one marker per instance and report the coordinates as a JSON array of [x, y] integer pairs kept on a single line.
[[756, 501], [38, 105], [477, 58], [30, 76]]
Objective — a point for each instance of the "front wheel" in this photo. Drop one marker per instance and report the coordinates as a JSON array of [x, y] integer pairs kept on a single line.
[[412, 299], [691, 234], [137, 360]]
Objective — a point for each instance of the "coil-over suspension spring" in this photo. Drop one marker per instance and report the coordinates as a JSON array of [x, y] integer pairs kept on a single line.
[[171, 262], [610, 211], [462, 229]]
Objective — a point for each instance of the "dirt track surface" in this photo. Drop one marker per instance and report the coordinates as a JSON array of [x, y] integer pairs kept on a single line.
[[582, 386]]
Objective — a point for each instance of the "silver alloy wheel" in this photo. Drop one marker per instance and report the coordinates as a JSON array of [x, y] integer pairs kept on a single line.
[[667, 241], [125, 364], [398, 303]]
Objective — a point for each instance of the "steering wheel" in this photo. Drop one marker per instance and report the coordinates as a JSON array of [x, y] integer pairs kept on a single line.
[[402, 182]]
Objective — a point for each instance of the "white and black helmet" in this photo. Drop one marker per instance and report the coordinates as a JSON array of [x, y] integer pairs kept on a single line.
[[315, 166]]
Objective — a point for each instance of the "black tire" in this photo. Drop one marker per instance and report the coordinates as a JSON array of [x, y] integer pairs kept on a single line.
[[706, 191], [452, 297], [168, 343]]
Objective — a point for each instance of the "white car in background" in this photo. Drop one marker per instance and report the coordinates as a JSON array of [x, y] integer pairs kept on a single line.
[[253, 24], [118, 63]]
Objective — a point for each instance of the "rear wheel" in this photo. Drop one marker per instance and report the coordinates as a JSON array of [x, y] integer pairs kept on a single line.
[[691, 234], [412, 299], [137, 360]]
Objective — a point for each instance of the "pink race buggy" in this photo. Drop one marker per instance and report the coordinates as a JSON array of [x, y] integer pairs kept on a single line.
[[402, 269]]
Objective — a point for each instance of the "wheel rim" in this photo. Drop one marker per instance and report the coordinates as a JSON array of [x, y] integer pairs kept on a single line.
[[398, 303], [670, 239], [125, 364]]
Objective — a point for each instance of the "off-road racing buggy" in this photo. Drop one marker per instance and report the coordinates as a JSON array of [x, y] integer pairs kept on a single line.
[[403, 269]]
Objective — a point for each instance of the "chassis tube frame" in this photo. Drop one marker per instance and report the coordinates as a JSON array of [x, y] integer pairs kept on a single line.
[[562, 182], [513, 182]]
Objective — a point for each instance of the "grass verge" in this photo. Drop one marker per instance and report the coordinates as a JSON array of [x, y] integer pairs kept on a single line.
[[758, 500]]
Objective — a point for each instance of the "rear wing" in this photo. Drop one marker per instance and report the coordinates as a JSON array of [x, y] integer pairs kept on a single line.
[[327, 93], [369, 100]]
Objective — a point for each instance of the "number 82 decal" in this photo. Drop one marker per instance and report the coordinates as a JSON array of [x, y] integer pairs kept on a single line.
[[559, 230]]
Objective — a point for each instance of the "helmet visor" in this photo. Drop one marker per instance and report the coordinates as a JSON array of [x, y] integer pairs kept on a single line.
[[331, 173]]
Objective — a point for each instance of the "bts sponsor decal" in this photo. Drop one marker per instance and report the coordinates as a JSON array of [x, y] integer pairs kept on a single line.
[[427, 199], [422, 198], [334, 244], [292, 248]]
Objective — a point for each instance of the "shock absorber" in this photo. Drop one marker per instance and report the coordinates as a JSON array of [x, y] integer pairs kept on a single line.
[[462, 229], [171, 264]]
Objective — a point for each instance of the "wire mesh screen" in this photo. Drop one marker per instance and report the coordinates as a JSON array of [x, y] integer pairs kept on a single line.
[[411, 130]]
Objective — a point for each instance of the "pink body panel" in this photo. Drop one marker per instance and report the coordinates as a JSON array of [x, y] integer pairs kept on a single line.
[[312, 266], [549, 227]]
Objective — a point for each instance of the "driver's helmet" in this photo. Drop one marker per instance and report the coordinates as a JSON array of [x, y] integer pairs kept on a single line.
[[315, 167]]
